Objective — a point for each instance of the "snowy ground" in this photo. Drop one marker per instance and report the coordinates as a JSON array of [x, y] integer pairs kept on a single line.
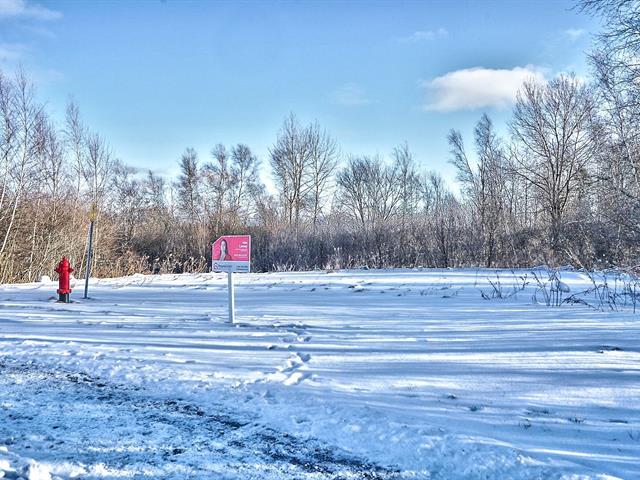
[[342, 375]]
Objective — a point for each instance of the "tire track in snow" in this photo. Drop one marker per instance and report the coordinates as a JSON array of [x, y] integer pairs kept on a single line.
[[74, 423]]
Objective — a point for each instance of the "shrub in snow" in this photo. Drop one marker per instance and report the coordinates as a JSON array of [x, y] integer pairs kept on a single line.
[[550, 288], [562, 287], [519, 284]]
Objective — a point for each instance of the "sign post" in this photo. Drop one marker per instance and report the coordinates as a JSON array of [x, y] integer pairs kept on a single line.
[[232, 298], [231, 253], [93, 213]]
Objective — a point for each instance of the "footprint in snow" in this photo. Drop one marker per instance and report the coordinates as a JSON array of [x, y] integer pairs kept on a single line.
[[296, 361], [537, 411], [305, 357], [296, 378], [291, 365]]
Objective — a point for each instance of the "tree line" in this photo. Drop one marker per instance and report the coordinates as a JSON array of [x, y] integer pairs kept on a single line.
[[563, 186]]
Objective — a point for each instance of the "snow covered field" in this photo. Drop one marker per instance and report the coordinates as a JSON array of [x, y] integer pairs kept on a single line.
[[349, 374]]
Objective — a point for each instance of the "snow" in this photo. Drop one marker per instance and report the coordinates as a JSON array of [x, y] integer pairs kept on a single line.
[[429, 374]]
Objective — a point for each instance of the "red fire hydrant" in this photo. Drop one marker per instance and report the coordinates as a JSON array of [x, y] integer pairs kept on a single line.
[[64, 271]]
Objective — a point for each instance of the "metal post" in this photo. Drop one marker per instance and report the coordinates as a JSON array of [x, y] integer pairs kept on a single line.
[[88, 268], [93, 215], [232, 302]]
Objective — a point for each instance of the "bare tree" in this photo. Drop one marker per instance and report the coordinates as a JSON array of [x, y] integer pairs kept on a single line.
[[54, 186], [127, 203], [323, 160], [406, 175], [98, 167], [620, 39], [29, 117], [8, 139], [246, 182], [218, 182], [442, 215], [370, 193], [188, 185], [76, 139], [483, 182], [614, 60], [154, 192], [289, 159], [554, 147]]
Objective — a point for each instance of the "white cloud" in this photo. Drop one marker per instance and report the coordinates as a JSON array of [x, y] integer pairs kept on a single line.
[[46, 76], [10, 52], [25, 9], [350, 95], [574, 33], [423, 35], [478, 87]]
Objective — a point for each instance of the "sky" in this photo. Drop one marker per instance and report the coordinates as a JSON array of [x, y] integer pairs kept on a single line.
[[155, 77]]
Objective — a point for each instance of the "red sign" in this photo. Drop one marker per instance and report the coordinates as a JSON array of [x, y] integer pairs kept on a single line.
[[231, 253]]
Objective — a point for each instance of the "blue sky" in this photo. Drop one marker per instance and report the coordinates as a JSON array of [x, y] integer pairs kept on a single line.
[[155, 77]]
